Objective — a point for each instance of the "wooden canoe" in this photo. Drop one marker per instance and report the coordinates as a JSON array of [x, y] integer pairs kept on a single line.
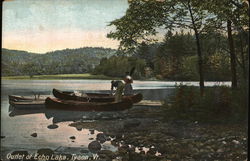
[[16, 98], [94, 97], [75, 105], [27, 104]]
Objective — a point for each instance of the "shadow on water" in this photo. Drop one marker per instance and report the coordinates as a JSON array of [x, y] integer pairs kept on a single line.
[[63, 115]]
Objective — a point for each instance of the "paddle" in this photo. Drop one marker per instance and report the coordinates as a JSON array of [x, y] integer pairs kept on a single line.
[[132, 71]]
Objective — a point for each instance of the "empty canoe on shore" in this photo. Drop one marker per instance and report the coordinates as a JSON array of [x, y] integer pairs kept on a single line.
[[16, 98], [56, 103], [94, 97]]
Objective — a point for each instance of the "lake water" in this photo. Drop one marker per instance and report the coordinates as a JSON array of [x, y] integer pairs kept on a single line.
[[18, 125]]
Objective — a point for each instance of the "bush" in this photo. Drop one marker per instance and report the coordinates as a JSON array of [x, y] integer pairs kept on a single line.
[[219, 103]]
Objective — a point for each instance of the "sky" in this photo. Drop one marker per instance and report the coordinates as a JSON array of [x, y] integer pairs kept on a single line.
[[40, 26]]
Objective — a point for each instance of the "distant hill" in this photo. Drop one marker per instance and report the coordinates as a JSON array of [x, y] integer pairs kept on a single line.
[[81, 60]]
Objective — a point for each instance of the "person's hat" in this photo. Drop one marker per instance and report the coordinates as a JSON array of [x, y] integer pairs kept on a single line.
[[128, 77]]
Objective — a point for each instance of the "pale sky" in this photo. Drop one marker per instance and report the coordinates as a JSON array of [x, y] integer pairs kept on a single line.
[[46, 25]]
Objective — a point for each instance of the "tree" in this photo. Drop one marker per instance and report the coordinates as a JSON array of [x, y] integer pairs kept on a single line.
[[144, 17], [147, 52], [30, 69], [233, 13], [117, 66], [172, 53], [232, 54]]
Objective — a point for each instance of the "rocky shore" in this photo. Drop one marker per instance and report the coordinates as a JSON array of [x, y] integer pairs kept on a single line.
[[144, 134]]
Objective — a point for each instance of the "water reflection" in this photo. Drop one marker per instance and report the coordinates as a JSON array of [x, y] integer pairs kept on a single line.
[[18, 112], [54, 133], [65, 115]]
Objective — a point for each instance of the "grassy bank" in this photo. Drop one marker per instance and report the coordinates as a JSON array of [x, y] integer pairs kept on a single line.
[[60, 76], [219, 104]]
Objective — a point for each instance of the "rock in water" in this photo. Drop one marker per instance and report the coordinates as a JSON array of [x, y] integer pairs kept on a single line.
[[92, 131], [53, 126], [34, 135], [72, 137], [94, 146], [79, 127], [101, 137]]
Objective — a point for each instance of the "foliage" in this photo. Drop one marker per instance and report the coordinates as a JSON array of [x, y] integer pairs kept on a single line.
[[117, 66], [175, 58], [189, 70], [236, 11], [219, 103], [30, 69], [143, 18], [138, 24], [66, 61], [148, 53]]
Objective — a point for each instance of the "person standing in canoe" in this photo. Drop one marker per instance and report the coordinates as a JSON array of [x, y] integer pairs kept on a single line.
[[122, 86], [128, 89]]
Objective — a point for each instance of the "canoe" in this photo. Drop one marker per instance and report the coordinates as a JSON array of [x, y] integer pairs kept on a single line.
[[30, 104], [90, 97], [94, 97], [75, 105], [16, 98]]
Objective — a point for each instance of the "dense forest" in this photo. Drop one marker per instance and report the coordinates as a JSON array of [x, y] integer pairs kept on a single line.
[[216, 48], [66, 61], [175, 59]]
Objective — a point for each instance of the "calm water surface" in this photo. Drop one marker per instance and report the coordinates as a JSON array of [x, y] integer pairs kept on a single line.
[[18, 125]]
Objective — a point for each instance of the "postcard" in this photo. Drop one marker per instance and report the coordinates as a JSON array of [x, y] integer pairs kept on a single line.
[[124, 80]]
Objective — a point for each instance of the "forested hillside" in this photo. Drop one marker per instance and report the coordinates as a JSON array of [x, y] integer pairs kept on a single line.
[[175, 59], [66, 61]]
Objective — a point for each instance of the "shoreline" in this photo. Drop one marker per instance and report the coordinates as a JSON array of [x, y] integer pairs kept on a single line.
[[90, 76], [59, 77]]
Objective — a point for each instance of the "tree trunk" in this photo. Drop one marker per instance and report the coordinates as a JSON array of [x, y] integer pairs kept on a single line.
[[199, 53], [232, 54], [243, 59], [200, 62]]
